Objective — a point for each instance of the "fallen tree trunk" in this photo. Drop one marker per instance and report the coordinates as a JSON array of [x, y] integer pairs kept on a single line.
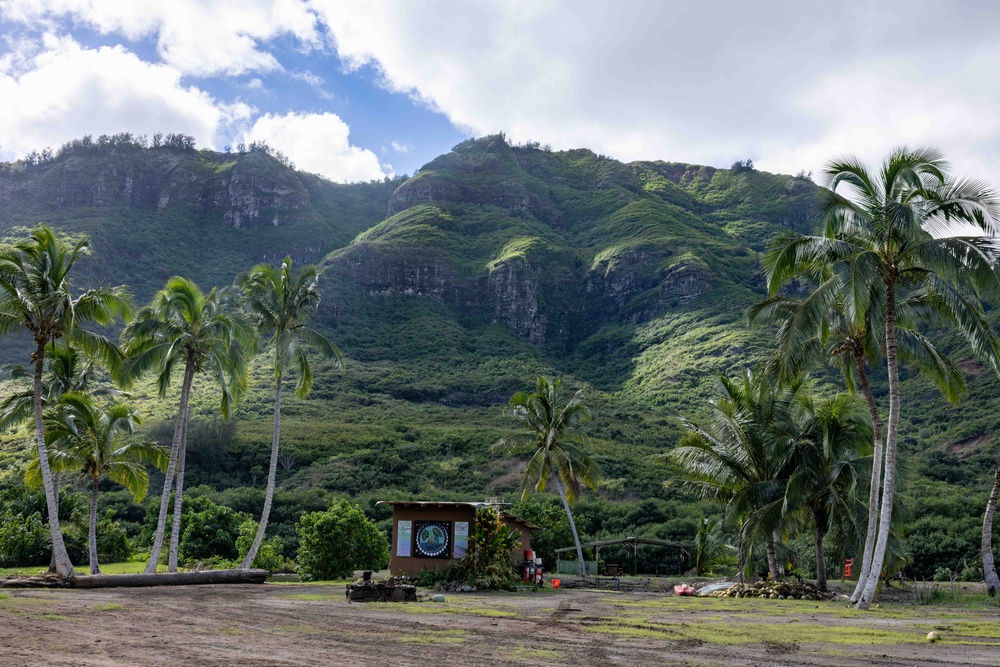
[[169, 579]]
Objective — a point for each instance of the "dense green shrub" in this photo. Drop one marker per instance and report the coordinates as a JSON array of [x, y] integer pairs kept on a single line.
[[334, 543], [113, 544], [269, 556], [24, 540], [209, 530]]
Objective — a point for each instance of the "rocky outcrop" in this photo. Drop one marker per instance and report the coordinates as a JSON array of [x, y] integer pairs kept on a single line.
[[242, 191], [512, 294], [258, 193], [633, 286], [378, 272]]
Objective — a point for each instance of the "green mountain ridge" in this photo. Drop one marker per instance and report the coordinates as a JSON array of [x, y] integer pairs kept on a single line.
[[449, 291]]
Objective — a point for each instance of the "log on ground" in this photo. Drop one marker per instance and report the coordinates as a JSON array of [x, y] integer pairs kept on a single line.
[[169, 579]]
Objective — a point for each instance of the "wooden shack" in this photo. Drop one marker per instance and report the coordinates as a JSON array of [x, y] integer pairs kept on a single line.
[[428, 535]]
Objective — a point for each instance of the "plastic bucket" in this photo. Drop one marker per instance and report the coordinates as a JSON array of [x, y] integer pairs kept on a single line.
[[555, 583]]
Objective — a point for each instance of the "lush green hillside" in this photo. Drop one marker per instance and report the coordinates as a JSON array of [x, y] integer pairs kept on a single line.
[[451, 290]]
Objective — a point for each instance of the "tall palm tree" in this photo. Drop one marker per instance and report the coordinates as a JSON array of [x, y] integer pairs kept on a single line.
[[95, 441], [827, 462], [895, 231], [741, 456], [185, 327], [280, 302], [827, 326], [36, 295], [557, 446]]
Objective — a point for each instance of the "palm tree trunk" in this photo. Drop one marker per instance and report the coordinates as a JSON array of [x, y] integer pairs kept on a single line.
[[271, 474], [175, 526], [989, 569], [95, 568], [741, 558], [892, 434], [63, 565], [572, 526], [168, 481], [772, 559], [55, 484], [876, 481], [822, 526]]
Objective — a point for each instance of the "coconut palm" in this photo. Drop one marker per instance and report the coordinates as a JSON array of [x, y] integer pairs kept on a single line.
[[557, 446], [828, 460], [741, 457], [280, 302], [895, 232], [187, 328], [36, 295], [66, 369], [95, 441], [820, 328], [986, 552]]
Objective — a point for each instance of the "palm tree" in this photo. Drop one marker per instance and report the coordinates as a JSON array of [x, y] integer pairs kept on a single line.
[[827, 461], [66, 369], [36, 295], [827, 326], [741, 457], [95, 441], [185, 327], [557, 446], [986, 551], [281, 302], [894, 232]]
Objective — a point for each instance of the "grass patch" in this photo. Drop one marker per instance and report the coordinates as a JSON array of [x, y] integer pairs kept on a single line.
[[525, 653], [302, 629], [53, 617], [110, 606], [444, 636], [753, 633], [109, 568], [309, 596], [445, 608]]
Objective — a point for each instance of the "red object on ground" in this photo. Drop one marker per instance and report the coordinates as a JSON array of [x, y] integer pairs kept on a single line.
[[684, 589], [555, 583]]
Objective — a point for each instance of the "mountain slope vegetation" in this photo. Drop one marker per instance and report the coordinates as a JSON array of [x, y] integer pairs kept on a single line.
[[449, 291]]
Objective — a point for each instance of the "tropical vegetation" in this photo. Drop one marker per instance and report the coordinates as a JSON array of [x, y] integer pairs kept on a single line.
[[447, 292]]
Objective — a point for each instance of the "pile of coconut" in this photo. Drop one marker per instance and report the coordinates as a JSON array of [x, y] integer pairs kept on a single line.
[[774, 590]]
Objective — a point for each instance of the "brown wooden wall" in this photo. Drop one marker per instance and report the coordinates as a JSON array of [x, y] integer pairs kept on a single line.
[[412, 566]]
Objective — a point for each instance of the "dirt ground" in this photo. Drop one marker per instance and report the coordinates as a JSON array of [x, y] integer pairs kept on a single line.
[[271, 625]]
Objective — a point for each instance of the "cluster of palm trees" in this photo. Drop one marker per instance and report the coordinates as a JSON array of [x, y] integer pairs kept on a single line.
[[183, 331], [905, 248]]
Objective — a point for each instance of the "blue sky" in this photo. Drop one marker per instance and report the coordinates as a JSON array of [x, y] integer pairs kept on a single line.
[[360, 90]]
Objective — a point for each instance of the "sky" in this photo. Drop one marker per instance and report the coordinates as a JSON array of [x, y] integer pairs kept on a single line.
[[361, 90]]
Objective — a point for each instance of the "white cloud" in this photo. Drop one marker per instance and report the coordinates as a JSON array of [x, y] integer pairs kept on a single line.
[[401, 148], [786, 84], [319, 143], [63, 91], [197, 37]]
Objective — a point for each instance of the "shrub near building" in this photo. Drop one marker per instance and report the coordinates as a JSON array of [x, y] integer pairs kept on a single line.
[[334, 543]]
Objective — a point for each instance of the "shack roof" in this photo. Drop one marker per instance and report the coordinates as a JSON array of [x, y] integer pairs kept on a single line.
[[450, 503]]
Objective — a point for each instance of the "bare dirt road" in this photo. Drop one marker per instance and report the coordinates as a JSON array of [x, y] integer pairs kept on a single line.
[[284, 625]]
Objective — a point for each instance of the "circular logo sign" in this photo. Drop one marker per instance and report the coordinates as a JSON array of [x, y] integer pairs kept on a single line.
[[432, 540]]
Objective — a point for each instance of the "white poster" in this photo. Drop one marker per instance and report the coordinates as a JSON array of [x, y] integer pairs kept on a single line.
[[461, 538], [404, 536]]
